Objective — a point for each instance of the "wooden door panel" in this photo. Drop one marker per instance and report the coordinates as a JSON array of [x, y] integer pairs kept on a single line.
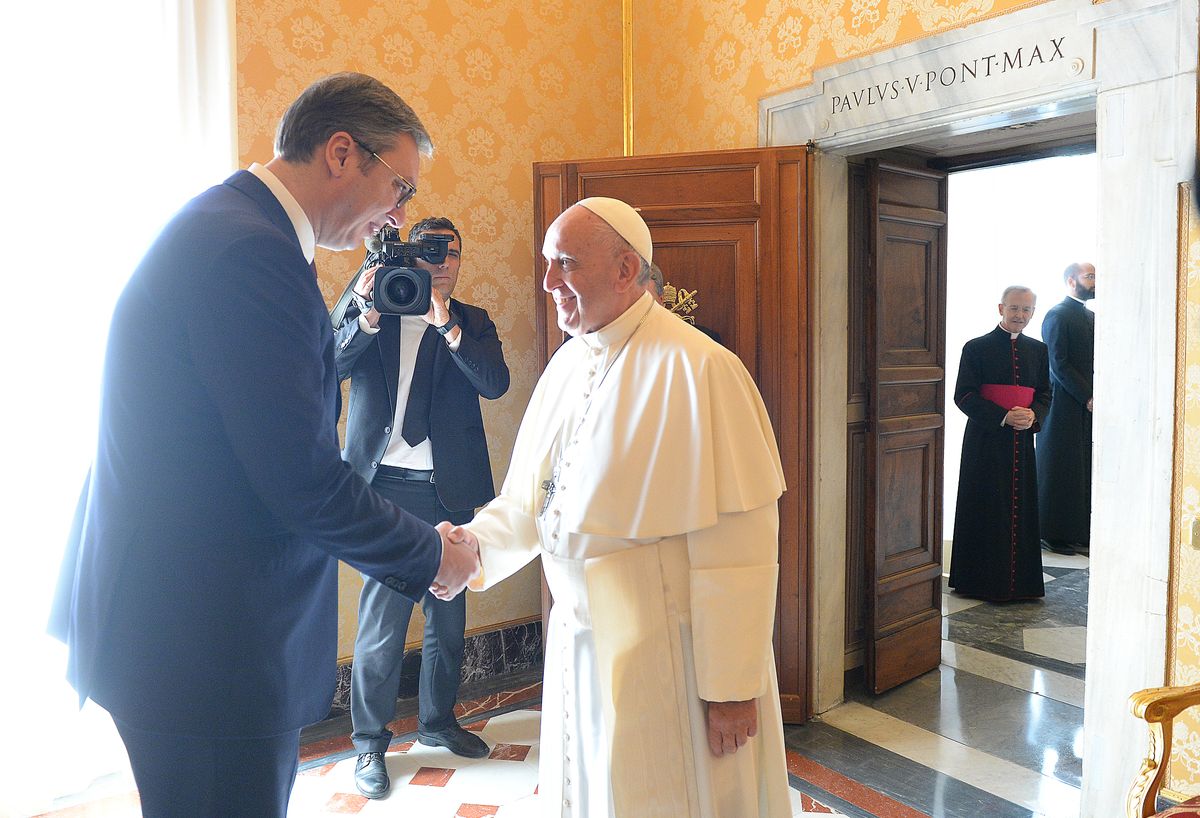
[[734, 226], [900, 399], [693, 185], [720, 264], [906, 654], [856, 569], [905, 306], [908, 188], [908, 294], [906, 477]]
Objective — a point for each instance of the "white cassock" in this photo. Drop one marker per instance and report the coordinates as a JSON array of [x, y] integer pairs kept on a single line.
[[660, 546]]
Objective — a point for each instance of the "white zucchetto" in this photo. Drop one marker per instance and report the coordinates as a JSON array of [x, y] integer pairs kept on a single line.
[[625, 220]]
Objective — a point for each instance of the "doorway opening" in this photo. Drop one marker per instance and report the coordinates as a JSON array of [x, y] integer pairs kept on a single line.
[[1018, 224], [1015, 224], [941, 234]]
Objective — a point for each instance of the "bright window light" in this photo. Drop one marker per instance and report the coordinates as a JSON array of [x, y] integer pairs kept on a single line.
[[116, 114], [1013, 224]]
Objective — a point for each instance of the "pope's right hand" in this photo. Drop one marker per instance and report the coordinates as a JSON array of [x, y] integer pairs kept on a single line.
[[460, 563]]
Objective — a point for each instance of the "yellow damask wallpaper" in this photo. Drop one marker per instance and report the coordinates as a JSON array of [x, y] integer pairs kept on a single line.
[[505, 83], [701, 66], [500, 84], [1185, 562]]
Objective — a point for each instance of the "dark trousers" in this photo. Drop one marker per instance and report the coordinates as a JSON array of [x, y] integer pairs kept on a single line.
[[383, 618], [211, 777]]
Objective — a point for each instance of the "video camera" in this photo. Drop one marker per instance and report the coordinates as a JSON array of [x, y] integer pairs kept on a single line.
[[400, 287]]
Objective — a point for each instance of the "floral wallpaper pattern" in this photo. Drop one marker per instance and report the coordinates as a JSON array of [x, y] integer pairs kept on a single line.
[[1185, 670], [706, 63]]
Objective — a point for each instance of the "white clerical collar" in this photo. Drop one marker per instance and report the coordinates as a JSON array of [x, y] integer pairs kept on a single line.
[[1080, 300], [620, 328], [1010, 334], [300, 222]]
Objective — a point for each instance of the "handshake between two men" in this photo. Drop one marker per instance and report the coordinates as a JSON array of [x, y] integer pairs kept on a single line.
[[460, 561]]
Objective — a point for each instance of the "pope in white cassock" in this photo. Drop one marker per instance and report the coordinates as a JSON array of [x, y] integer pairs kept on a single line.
[[646, 476]]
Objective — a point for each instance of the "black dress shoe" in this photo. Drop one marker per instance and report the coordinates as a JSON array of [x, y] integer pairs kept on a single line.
[[370, 775], [455, 739], [1081, 549], [1058, 547]]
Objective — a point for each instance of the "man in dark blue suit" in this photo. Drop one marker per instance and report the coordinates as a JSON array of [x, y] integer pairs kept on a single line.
[[415, 433], [199, 595]]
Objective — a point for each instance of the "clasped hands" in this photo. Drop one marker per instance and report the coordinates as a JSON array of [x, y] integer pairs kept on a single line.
[[1019, 418], [460, 561]]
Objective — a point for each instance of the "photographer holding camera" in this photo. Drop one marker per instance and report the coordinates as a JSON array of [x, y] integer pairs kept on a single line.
[[415, 432]]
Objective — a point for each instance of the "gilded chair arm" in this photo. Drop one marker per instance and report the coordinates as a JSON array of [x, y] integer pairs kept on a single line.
[[1158, 707]]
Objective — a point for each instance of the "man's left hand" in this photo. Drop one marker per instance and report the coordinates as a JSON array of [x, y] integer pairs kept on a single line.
[[730, 725]]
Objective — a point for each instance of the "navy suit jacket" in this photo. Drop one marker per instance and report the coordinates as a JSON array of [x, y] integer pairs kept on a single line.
[[199, 594], [372, 362]]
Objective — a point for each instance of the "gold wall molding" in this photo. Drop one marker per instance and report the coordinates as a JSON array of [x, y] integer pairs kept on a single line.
[[627, 76]]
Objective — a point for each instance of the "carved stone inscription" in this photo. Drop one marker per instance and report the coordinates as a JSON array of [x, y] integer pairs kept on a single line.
[[991, 66]]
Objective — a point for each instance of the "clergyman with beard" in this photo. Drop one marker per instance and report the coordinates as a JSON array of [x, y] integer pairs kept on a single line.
[[1065, 442], [1004, 390]]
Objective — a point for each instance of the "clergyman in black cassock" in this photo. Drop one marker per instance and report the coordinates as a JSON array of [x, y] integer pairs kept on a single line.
[[1065, 441], [996, 553]]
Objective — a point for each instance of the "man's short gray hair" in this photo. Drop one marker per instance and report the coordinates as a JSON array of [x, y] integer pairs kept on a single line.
[[1016, 288], [360, 105]]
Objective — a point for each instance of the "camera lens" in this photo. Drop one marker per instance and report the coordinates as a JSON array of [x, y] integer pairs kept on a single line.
[[401, 289]]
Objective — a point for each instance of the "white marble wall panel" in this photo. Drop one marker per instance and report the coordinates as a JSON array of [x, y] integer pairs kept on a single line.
[[1146, 142], [794, 117], [830, 311]]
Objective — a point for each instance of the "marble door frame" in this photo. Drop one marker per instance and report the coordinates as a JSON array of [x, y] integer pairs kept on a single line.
[[1142, 84]]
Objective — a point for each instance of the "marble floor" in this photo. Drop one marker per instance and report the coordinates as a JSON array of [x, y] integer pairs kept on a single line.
[[995, 731]]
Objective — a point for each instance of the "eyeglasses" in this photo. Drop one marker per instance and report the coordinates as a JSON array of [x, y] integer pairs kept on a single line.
[[407, 188]]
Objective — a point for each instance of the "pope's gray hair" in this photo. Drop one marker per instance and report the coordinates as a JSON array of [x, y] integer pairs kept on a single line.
[[618, 245]]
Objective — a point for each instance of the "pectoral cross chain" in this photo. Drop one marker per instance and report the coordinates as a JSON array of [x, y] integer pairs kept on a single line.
[[548, 487]]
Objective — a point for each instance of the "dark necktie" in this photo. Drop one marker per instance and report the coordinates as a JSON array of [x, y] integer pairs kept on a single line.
[[420, 393]]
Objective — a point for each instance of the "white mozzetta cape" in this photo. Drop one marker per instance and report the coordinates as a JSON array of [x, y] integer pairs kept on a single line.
[[677, 433]]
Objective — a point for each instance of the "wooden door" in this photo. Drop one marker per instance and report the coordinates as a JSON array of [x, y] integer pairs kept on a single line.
[[905, 386], [733, 227]]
